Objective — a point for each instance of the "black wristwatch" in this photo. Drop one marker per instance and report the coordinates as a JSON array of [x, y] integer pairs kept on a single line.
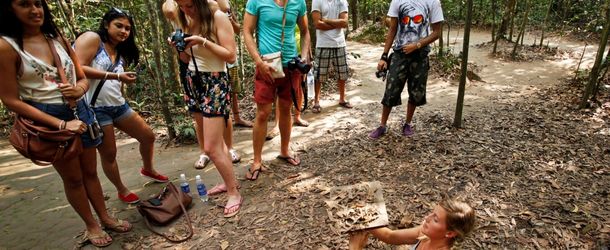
[[384, 57]]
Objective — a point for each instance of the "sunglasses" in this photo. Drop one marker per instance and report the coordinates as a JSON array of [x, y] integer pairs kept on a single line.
[[120, 11], [416, 19]]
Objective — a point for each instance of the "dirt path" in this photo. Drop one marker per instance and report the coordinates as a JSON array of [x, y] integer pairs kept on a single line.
[[281, 214]]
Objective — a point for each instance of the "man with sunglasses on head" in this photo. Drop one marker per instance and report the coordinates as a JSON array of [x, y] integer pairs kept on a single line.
[[414, 25]]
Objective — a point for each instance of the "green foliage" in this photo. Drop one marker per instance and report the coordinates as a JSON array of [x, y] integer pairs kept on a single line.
[[373, 34]]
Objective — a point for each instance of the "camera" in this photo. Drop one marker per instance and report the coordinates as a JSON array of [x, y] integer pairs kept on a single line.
[[298, 64], [382, 73], [95, 131], [178, 39]]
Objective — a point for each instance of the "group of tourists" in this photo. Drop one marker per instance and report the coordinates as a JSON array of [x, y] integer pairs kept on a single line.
[[96, 66]]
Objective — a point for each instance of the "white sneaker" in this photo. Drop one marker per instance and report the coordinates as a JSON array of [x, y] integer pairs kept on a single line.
[[202, 162], [235, 158]]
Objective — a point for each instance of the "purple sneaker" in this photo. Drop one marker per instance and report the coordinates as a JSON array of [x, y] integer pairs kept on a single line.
[[378, 132], [407, 130]]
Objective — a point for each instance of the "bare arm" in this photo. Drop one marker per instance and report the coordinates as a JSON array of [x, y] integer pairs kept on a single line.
[[339, 23], [10, 93], [86, 47], [305, 38], [389, 39], [225, 46], [249, 28], [318, 23], [397, 237]]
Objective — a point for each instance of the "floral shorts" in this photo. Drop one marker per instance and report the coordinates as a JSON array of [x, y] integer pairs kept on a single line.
[[212, 92]]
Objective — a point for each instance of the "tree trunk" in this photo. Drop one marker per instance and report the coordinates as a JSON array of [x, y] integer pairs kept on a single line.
[[598, 59], [508, 12], [493, 20], [459, 107], [512, 22], [546, 19], [440, 44], [63, 10], [160, 80], [522, 30], [311, 27], [353, 4], [171, 54]]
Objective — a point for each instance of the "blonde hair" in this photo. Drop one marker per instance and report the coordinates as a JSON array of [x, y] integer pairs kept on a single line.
[[460, 218], [205, 13]]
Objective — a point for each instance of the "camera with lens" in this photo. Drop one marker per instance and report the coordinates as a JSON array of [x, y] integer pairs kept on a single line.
[[382, 73], [95, 131], [178, 39], [298, 64]]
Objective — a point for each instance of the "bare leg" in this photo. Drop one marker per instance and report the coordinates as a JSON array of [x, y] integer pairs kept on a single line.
[[72, 177], [228, 133], [218, 152], [385, 113], [258, 132], [235, 110], [137, 128], [297, 114], [198, 119], [274, 130], [341, 84], [108, 158], [285, 124], [410, 112]]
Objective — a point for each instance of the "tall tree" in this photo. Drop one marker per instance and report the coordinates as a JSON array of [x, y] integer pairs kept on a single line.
[[521, 30], [459, 107], [161, 81], [546, 19], [353, 4], [598, 59]]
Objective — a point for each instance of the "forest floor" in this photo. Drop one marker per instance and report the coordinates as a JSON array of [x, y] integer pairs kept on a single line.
[[534, 166]]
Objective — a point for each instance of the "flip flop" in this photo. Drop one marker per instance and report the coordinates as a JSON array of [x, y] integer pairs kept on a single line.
[[120, 226], [301, 123], [238, 205], [219, 189], [316, 108], [203, 161], [88, 237], [346, 105], [292, 160]]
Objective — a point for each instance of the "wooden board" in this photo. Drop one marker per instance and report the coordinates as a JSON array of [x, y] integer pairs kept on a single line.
[[357, 207]]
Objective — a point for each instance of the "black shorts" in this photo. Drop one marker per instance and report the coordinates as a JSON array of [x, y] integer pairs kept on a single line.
[[411, 69]]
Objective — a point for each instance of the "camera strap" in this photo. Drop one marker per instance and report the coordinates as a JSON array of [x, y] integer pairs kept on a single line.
[[96, 93]]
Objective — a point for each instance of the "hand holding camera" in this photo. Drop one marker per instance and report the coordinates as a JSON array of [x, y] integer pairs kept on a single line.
[[177, 39], [296, 63]]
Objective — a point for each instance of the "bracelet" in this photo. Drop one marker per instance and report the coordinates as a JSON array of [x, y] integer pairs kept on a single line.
[[118, 76], [418, 45], [81, 87], [205, 40], [62, 124], [106, 75]]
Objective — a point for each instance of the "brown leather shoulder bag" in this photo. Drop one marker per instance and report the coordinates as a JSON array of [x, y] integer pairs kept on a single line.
[[166, 206]]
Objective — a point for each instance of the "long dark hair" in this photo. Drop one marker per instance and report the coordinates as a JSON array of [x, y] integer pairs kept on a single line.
[[205, 16], [126, 49], [13, 28]]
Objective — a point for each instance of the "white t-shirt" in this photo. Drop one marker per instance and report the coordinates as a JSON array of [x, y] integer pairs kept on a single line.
[[330, 9], [414, 19]]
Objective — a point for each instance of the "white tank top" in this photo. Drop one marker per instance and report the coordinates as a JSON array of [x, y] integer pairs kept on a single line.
[[206, 60], [37, 80], [110, 94]]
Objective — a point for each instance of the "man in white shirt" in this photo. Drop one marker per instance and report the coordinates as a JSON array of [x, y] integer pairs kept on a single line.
[[329, 18]]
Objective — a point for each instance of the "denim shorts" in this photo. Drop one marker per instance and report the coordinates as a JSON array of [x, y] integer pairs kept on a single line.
[[108, 115], [62, 111]]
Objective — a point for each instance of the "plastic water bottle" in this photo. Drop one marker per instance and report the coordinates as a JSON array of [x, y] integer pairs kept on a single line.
[[310, 84], [184, 185], [203, 193]]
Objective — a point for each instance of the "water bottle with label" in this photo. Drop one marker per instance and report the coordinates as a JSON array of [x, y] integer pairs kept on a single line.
[[203, 193], [184, 185], [310, 84]]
